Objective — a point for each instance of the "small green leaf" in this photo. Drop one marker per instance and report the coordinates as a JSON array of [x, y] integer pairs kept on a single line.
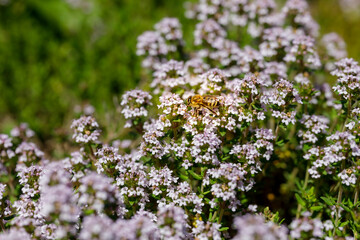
[[280, 143], [345, 208], [344, 224], [225, 158], [183, 177], [88, 212], [195, 175], [9, 217], [226, 150], [328, 201], [223, 229], [157, 197], [203, 171], [300, 200], [316, 208], [222, 133], [338, 232]]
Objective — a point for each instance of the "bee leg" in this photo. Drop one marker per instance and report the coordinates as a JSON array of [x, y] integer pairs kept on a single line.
[[198, 111], [195, 112]]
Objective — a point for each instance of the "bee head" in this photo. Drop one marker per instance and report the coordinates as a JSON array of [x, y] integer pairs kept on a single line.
[[189, 100]]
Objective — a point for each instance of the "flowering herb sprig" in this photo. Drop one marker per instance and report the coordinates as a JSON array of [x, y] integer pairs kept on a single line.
[[237, 127]]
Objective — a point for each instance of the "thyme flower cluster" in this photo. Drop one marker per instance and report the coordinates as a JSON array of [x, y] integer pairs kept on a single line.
[[224, 134]]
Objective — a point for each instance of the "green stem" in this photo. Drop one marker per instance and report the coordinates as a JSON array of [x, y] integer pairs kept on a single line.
[[339, 200], [298, 211], [2, 225], [222, 210], [213, 217], [356, 197], [333, 125], [92, 154], [348, 115], [338, 208], [277, 131]]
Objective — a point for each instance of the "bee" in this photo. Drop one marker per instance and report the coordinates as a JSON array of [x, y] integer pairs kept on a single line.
[[199, 102]]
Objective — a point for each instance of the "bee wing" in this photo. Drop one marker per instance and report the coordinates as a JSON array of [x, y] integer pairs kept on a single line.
[[211, 101], [208, 108]]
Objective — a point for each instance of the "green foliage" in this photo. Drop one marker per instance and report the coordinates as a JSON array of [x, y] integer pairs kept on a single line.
[[54, 56]]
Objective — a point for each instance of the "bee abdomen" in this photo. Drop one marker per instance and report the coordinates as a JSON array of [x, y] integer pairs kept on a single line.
[[211, 102]]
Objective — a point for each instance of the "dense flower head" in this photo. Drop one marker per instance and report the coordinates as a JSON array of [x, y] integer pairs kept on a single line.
[[172, 222], [28, 213], [206, 230], [75, 164], [169, 75], [53, 174], [276, 39], [229, 177], [134, 105], [96, 227], [298, 12], [28, 154], [58, 202], [302, 51], [86, 129], [195, 66], [341, 145], [4, 202], [208, 33], [6, 151], [138, 227], [170, 28], [28, 177], [22, 131], [172, 105], [251, 153], [60, 211], [306, 227], [152, 45], [15, 234], [152, 142], [97, 191], [296, 6], [348, 78], [214, 81], [2, 190], [132, 180], [108, 158], [157, 45], [314, 125], [251, 227], [348, 176], [334, 45]]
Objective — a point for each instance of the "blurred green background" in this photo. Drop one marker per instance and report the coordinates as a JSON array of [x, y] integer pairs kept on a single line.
[[55, 55]]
